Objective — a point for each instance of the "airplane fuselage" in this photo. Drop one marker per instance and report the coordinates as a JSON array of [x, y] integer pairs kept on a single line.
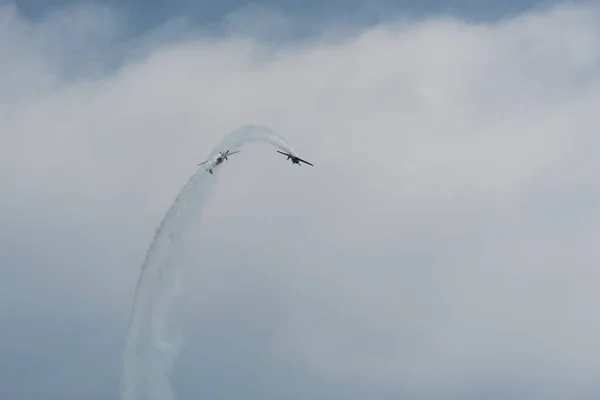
[[218, 160]]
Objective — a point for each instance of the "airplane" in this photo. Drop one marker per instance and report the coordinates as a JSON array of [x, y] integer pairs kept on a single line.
[[221, 156], [295, 160]]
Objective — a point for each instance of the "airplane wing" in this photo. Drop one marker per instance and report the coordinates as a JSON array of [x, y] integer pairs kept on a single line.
[[228, 154], [305, 162], [203, 163], [298, 158]]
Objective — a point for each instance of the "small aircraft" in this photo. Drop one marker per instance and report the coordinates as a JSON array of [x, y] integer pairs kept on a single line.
[[295, 160], [221, 156]]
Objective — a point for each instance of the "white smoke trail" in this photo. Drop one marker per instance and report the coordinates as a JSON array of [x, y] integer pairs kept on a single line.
[[151, 346]]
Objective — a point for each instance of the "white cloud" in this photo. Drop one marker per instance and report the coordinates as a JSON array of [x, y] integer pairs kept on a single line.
[[446, 235]]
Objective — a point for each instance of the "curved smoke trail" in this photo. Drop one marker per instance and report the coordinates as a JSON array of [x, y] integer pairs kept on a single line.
[[151, 347]]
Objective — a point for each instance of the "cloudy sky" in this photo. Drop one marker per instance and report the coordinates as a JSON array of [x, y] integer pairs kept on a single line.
[[445, 245]]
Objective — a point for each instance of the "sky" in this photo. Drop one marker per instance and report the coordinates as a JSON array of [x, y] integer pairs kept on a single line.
[[143, 16], [444, 245]]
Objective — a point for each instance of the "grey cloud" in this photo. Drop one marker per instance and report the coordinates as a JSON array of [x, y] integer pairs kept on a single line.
[[316, 16], [444, 242]]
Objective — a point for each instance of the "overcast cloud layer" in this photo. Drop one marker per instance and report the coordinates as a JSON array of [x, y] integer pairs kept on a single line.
[[445, 243], [311, 16]]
